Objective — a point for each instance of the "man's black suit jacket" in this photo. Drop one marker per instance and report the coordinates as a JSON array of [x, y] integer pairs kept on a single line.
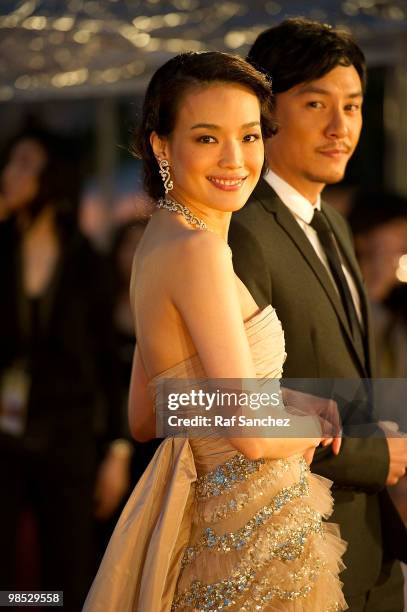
[[277, 263]]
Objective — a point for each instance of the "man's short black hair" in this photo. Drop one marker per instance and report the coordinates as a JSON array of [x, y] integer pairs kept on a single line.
[[299, 50]]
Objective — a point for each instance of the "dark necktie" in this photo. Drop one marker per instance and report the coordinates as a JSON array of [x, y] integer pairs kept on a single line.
[[328, 243]]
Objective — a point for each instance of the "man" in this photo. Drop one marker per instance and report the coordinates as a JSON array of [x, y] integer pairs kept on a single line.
[[310, 275]]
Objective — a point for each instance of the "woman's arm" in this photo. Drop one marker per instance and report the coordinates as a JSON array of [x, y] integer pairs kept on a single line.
[[140, 408], [205, 292]]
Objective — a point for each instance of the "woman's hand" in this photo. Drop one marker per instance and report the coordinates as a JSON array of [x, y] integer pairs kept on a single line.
[[325, 409], [309, 455], [336, 444]]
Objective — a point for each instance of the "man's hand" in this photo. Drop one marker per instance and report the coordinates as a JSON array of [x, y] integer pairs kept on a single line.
[[112, 482], [397, 443]]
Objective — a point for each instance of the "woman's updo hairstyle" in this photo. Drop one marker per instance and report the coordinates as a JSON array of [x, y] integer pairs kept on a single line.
[[170, 83]]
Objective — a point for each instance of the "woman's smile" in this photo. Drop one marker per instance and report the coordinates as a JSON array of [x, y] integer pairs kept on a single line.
[[227, 183]]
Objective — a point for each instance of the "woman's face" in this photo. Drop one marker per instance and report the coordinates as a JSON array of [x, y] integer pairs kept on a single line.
[[20, 176], [216, 149]]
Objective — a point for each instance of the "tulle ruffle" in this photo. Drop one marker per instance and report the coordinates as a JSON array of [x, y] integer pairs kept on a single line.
[[262, 545]]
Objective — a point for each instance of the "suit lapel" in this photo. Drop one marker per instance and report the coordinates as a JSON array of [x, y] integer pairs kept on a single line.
[[271, 202], [346, 248], [352, 264]]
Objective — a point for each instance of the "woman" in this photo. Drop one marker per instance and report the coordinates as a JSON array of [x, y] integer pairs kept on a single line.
[[214, 523], [60, 396]]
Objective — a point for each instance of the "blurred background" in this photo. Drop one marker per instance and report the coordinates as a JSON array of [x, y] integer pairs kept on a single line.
[[81, 67], [72, 77]]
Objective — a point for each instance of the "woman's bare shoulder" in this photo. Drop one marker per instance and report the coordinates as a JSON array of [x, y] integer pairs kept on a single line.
[[201, 244], [180, 265]]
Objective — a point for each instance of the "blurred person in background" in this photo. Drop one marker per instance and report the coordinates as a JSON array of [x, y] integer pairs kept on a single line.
[[125, 240], [379, 224], [61, 452]]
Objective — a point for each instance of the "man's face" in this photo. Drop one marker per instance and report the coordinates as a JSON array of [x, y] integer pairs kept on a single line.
[[319, 127]]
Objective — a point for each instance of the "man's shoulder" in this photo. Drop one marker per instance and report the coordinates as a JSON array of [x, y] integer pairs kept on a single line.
[[336, 219], [334, 215], [257, 207]]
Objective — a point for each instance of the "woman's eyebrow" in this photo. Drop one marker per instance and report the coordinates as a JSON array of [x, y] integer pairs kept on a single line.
[[213, 126]]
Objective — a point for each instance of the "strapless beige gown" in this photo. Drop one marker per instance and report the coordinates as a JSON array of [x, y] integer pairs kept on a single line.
[[207, 529]]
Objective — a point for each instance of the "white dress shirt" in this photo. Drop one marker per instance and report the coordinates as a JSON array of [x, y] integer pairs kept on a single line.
[[303, 211]]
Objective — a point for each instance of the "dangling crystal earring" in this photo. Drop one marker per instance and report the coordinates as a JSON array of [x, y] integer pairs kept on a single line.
[[165, 175]]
